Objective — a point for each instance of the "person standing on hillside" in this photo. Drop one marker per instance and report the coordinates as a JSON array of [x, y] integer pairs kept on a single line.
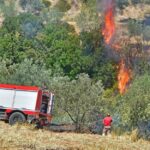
[[107, 121]]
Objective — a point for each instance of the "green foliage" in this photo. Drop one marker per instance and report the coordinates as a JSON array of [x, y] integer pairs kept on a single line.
[[32, 6], [9, 8], [30, 73], [36, 47], [122, 4], [135, 103], [26, 24], [63, 5], [63, 48], [134, 27], [10, 24], [16, 48], [9, 44], [142, 66], [1, 1], [78, 98], [146, 33], [98, 66], [15, 38], [52, 15], [135, 1], [30, 25], [47, 3], [88, 19], [5, 70], [110, 100], [58, 46], [146, 1]]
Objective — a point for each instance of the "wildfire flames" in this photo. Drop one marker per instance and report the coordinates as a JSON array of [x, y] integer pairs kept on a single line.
[[123, 77], [108, 32], [109, 26]]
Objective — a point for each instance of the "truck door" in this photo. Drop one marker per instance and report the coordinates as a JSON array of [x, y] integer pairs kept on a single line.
[[51, 103], [47, 103]]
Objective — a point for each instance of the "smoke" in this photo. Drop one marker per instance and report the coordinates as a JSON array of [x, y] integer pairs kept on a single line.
[[108, 4], [103, 5]]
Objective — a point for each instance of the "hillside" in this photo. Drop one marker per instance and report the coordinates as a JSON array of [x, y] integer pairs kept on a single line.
[[20, 137], [94, 55]]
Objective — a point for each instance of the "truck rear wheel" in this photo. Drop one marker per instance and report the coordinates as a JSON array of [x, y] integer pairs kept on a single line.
[[16, 117]]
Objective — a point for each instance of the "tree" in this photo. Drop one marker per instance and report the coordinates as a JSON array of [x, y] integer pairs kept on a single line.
[[30, 72], [146, 33], [88, 19], [122, 4], [30, 25], [47, 3], [79, 98], [63, 49], [135, 27], [98, 65], [51, 15], [18, 40], [32, 6], [8, 8], [63, 5], [5, 70], [135, 103]]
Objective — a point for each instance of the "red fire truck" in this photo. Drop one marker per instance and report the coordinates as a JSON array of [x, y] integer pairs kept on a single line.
[[25, 103]]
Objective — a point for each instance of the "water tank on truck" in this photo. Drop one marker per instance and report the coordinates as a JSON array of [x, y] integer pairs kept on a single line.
[[25, 103]]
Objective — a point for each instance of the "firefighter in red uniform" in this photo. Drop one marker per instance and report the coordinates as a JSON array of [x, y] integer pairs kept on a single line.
[[107, 124]]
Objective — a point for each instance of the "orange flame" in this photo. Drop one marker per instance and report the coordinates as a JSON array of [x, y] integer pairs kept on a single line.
[[108, 33], [123, 77], [109, 26]]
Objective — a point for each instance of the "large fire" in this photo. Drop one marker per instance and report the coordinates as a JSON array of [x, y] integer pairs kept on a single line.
[[108, 33], [109, 23], [123, 77]]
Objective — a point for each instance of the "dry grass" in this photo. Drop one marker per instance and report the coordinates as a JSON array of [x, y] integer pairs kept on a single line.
[[53, 2], [135, 12], [20, 137]]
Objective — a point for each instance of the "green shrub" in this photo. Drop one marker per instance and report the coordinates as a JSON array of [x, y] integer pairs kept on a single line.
[[135, 103], [46, 3], [63, 5]]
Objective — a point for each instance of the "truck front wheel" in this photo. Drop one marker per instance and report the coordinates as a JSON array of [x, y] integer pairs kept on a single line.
[[16, 117]]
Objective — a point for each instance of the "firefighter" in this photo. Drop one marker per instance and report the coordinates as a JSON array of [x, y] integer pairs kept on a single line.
[[107, 124]]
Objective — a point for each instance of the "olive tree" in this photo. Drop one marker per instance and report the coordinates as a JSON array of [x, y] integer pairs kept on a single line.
[[78, 98], [29, 72], [135, 104], [5, 70]]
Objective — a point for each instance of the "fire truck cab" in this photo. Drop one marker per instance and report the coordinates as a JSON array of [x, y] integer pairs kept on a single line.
[[25, 103]]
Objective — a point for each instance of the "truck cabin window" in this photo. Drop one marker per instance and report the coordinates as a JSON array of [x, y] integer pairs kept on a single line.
[[44, 105]]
